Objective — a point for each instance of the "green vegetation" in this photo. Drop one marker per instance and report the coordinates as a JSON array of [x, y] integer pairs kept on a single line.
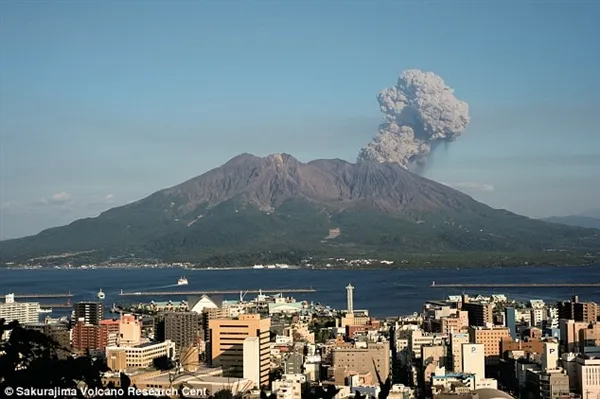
[[237, 234]]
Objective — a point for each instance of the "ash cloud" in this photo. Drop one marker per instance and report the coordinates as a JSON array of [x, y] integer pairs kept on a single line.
[[420, 112]]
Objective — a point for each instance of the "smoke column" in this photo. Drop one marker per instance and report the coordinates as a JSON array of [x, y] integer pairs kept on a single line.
[[419, 113]]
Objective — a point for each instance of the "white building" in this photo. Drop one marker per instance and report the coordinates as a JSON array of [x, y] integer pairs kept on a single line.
[[473, 357], [290, 386], [251, 356], [139, 356], [550, 356], [23, 312], [588, 376]]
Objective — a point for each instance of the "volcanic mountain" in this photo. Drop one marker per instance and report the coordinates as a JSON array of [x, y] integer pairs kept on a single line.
[[278, 205]]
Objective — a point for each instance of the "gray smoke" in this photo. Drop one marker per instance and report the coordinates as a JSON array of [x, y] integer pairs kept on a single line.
[[419, 113]]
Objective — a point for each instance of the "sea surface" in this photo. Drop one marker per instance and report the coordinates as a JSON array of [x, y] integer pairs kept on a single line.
[[390, 292]]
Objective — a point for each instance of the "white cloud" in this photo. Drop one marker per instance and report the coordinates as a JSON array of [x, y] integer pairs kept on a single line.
[[61, 198], [472, 186], [109, 197]]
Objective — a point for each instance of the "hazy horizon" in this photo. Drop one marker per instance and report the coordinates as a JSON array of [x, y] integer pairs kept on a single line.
[[102, 104]]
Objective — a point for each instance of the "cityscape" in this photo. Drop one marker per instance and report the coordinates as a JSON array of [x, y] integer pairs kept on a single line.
[[261, 199], [461, 347]]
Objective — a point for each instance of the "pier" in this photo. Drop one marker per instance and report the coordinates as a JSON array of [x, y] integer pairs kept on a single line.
[[222, 292], [56, 305], [43, 296], [522, 285]]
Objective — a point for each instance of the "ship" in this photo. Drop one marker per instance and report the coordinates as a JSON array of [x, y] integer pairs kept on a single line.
[[182, 281], [101, 294]]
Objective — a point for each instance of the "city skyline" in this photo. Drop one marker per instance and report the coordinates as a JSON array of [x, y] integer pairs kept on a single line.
[[104, 103]]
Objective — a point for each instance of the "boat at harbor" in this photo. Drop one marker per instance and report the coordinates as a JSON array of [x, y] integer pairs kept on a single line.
[[182, 281], [101, 294]]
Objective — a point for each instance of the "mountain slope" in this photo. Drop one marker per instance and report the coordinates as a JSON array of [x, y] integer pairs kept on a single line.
[[277, 204], [575, 220]]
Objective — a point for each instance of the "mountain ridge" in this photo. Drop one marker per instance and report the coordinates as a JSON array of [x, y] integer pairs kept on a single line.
[[279, 204]]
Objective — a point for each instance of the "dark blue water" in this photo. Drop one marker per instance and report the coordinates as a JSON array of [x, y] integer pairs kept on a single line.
[[383, 292]]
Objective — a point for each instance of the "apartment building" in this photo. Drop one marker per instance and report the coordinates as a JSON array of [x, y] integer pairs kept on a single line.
[[90, 312], [23, 312], [182, 328], [227, 337], [480, 314], [579, 311], [491, 338], [368, 359]]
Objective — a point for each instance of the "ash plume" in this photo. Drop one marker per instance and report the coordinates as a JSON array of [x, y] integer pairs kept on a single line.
[[420, 111]]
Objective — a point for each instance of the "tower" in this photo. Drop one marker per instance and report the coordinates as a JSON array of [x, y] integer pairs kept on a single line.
[[350, 299]]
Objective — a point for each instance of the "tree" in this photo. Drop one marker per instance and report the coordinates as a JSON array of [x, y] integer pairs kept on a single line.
[[29, 359]]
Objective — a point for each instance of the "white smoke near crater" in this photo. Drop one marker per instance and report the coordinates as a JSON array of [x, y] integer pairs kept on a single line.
[[419, 112]]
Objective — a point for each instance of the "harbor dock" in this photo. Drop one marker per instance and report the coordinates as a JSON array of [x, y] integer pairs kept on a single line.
[[221, 292], [512, 285]]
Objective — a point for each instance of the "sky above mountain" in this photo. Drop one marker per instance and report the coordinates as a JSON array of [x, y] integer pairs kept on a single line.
[[102, 103]]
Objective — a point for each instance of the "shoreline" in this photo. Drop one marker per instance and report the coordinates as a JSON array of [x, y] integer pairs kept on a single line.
[[314, 268]]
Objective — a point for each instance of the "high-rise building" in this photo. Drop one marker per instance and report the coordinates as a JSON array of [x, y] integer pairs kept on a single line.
[[579, 311], [473, 358], [550, 356], [456, 342], [251, 359], [510, 320], [350, 298], [227, 337], [183, 328], [86, 337], [23, 312], [480, 314], [570, 334], [90, 312], [109, 332], [491, 338]]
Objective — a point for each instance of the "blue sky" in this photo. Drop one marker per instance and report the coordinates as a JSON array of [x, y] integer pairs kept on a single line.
[[102, 103]]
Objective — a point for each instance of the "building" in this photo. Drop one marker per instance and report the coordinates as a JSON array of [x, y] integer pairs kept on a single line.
[[455, 356], [290, 386], [550, 356], [458, 322], [531, 346], [23, 312], [589, 338], [251, 359], [473, 360], [182, 328], [480, 314], [139, 356], [130, 330], [86, 336], [570, 333], [293, 363], [109, 332], [198, 305], [90, 312], [59, 332], [588, 377], [350, 299], [510, 321], [491, 338], [579, 311], [375, 357], [227, 337]]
